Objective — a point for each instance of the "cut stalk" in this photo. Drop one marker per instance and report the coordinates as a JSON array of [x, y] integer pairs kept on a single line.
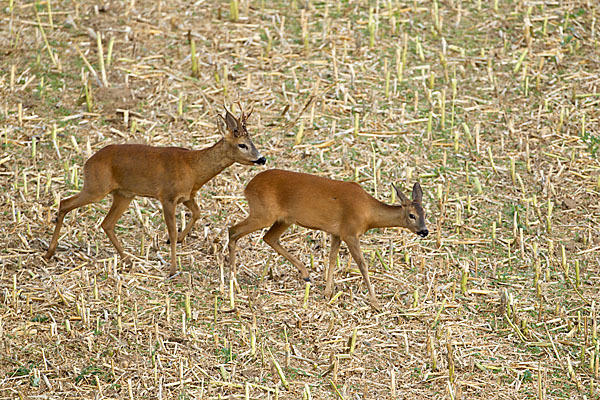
[[353, 341], [234, 10], [282, 377], [109, 51], [50, 52], [464, 278], [50, 20], [87, 88], [188, 306], [299, 134], [101, 59], [387, 79], [372, 27], [492, 160], [306, 293], [194, 58]]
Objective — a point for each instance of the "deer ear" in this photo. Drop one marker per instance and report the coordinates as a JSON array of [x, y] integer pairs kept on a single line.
[[417, 193], [231, 121], [221, 125], [401, 196]]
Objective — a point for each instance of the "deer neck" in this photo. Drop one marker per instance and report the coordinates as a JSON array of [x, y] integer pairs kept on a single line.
[[386, 216], [210, 162]]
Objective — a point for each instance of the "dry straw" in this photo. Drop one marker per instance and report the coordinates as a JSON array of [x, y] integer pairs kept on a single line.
[[492, 106]]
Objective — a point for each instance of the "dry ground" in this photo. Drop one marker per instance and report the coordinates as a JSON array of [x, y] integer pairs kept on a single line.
[[492, 105]]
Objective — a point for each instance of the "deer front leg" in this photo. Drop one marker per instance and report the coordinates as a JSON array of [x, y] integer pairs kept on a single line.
[[169, 214], [193, 207], [354, 247], [335, 248], [238, 231]]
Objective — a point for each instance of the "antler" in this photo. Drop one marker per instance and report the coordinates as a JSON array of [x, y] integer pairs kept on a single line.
[[241, 110], [226, 109], [249, 112], [244, 117]]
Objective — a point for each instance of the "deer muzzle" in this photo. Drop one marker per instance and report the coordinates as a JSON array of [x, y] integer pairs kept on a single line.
[[260, 161]]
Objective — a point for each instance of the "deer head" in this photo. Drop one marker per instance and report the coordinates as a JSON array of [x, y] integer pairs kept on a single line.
[[413, 210], [238, 141]]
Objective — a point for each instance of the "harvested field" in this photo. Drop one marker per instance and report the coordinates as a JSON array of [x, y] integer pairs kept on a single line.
[[491, 105]]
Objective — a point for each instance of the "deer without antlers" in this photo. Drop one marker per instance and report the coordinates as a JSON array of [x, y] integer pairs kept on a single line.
[[172, 175], [280, 198]]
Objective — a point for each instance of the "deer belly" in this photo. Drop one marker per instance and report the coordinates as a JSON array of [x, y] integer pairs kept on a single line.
[[327, 223]]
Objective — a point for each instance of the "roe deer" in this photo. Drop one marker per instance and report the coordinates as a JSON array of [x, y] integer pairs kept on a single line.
[[172, 175], [280, 198]]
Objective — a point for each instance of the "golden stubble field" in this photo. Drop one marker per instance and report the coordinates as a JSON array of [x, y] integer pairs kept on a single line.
[[491, 105]]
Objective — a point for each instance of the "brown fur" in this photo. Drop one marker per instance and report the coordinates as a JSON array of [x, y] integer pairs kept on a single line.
[[172, 175], [280, 198]]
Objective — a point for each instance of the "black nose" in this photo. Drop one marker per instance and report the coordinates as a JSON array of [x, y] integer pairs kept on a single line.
[[261, 161], [423, 233]]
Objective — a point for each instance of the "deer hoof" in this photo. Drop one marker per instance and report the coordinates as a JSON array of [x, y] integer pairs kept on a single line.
[[307, 279], [178, 239], [375, 304]]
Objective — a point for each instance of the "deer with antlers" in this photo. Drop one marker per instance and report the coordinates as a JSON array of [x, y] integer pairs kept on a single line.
[[345, 210], [172, 175]]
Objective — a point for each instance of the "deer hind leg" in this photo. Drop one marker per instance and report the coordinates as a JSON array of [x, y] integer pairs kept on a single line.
[[193, 207], [80, 199], [335, 248], [170, 220], [236, 232], [118, 207], [354, 247], [272, 239]]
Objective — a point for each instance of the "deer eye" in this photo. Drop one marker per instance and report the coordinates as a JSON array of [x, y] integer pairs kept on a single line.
[[412, 216], [243, 146]]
